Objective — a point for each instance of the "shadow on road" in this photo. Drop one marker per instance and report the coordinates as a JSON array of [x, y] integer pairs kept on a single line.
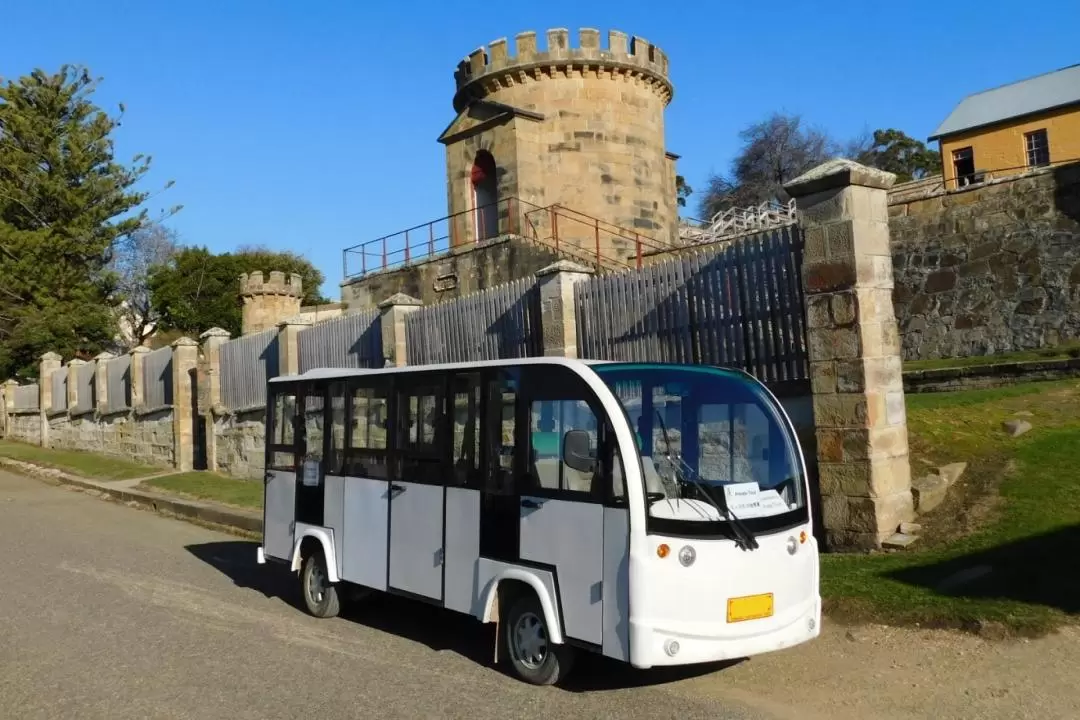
[[438, 629]]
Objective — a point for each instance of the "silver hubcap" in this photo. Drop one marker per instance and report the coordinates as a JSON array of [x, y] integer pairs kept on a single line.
[[316, 584], [528, 641]]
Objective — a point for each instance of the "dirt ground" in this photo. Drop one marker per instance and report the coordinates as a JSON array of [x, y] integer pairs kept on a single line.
[[870, 672]]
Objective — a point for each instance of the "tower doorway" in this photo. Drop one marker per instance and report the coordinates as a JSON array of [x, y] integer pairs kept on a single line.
[[485, 196]]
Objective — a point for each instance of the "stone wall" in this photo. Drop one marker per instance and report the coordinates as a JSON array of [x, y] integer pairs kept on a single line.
[[989, 269], [25, 427], [239, 440], [144, 438], [462, 271]]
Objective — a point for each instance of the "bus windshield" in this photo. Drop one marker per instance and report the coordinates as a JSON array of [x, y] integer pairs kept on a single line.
[[714, 448]]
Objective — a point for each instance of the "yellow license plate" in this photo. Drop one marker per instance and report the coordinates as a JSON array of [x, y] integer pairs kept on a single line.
[[751, 607]]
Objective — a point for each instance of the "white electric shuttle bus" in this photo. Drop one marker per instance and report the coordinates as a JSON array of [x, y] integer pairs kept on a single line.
[[655, 513]]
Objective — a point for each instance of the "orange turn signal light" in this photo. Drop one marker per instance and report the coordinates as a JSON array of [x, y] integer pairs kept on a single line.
[[802, 537], [662, 550]]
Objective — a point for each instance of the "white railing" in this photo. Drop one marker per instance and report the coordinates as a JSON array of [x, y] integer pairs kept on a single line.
[[735, 222]]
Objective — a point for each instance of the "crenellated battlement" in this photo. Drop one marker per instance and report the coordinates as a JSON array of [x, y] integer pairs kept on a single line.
[[252, 284], [487, 69]]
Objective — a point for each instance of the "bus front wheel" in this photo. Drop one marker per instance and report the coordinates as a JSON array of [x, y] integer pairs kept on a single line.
[[534, 657], [320, 596]]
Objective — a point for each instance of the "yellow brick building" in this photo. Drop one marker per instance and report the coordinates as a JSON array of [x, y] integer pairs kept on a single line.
[[1011, 129]]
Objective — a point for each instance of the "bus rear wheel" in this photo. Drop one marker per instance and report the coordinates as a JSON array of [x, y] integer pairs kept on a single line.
[[320, 596], [534, 658]]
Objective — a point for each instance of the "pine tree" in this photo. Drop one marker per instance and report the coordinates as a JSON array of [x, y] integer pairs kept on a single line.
[[64, 202]]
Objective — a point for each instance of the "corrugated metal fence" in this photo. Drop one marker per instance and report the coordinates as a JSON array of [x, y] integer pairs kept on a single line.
[[86, 398], [740, 306], [27, 397], [157, 378], [118, 384], [246, 364], [353, 341], [500, 322], [59, 390]]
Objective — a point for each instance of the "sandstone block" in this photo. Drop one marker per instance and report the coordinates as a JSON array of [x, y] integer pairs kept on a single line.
[[929, 492]]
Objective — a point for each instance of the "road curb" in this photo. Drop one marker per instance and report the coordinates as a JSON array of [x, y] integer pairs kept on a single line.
[[192, 510]]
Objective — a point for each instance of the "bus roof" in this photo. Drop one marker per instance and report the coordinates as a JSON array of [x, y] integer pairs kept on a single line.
[[338, 372]]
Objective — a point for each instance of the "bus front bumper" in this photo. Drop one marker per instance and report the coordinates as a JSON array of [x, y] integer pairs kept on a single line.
[[680, 643]]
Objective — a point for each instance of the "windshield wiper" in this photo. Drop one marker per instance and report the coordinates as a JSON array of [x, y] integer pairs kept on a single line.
[[743, 537]]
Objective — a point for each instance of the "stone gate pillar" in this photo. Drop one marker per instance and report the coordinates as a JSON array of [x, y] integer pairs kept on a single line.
[[393, 312], [558, 311], [854, 349], [50, 363]]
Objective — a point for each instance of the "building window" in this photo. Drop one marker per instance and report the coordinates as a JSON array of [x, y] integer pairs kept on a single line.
[[1038, 148], [964, 165]]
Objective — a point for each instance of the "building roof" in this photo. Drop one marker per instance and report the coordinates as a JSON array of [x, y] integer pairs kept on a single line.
[[1024, 97]]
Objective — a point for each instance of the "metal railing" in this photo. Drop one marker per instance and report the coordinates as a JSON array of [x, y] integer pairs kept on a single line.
[[562, 229], [436, 237]]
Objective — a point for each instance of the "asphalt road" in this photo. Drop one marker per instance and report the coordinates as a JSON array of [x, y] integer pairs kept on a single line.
[[112, 612]]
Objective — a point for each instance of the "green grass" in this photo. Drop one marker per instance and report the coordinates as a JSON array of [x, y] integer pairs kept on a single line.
[[1020, 501], [83, 464], [1061, 352], [209, 486]]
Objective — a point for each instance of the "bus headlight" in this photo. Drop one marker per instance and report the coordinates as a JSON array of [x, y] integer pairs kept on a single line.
[[687, 555]]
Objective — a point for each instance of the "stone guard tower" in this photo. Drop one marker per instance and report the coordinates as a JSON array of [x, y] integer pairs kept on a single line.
[[268, 302], [581, 126]]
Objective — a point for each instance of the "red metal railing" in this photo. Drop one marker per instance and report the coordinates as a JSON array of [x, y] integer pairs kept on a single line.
[[568, 232]]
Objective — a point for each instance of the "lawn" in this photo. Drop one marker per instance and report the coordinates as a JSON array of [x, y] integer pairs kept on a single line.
[[209, 486], [1061, 352], [1003, 547], [83, 464]]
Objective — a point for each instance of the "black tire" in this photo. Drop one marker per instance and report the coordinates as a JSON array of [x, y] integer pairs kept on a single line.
[[544, 667], [320, 596]]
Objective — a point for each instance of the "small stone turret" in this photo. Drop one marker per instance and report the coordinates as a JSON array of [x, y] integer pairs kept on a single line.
[[268, 302]]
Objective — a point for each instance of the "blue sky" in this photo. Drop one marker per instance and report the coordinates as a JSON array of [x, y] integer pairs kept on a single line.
[[312, 126]]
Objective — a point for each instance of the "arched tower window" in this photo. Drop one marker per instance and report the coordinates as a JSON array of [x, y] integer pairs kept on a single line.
[[485, 196]]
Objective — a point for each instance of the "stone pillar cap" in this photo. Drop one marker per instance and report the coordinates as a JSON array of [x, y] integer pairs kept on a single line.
[[139, 350], [76, 361], [51, 356], [215, 332], [11, 381], [104, 356], [295, 320], [184, 341], [400, 299], [564, 266], [837, 173]]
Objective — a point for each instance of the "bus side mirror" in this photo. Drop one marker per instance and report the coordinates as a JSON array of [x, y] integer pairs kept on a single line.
[[577, 451]]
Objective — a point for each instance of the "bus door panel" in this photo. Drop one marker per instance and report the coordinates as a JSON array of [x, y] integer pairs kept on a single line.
[[561, 501], [569, 536], [279, 501], [366, 467], [279, 513], [416, 492], [416, 538], [364, 546]]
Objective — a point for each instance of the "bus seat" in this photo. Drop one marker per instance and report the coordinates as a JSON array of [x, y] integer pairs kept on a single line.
[[546, 472], [653, 483]]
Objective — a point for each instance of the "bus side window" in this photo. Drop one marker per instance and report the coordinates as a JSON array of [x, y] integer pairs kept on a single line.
[[465, 414], [420, 443], [366, 455], [283, 438], [336, 461], [500, 431]]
